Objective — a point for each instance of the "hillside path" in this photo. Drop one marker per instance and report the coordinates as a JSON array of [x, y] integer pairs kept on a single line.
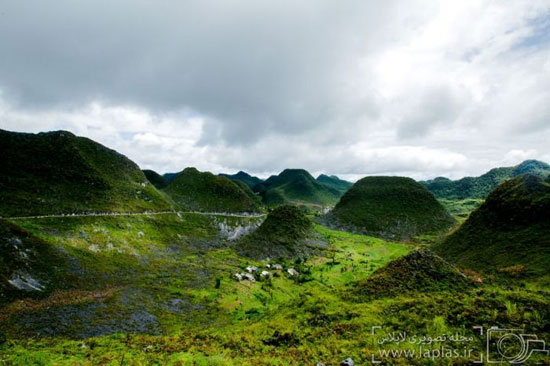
[[244, 215]]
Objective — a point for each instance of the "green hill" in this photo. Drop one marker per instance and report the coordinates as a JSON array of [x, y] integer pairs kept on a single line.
[[286, 232], [389, 207], [246, 189], [334, 182], [510, 228], [58, 172], [244, 177], [418, 271], [198, 191], [480, 187], [155, 179], [28, 265], [296, 186], [169, 177]]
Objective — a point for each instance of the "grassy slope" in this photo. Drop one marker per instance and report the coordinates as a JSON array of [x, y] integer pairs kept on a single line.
[[480, 187], [194, 190], [286, 232], [418, 271], [296, 186], [57, 172], [334, 182], [461, 209], [25, 254], [390, 207], [286, 321], [155, 179], [510, 228]]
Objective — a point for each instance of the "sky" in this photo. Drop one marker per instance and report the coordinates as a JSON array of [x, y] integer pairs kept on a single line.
[[419, 88]]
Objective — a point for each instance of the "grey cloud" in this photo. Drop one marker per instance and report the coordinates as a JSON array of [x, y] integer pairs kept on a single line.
[[251, 67], [420, 87], [435, 106]]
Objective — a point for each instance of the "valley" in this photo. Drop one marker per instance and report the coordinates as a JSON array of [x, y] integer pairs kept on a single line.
[[204, 269]]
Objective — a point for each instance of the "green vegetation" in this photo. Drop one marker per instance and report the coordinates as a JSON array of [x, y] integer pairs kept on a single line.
[[155, 179], [419, 271], [246, 189], [197, 191], [168, 288], [29, 266], [296, 186], [246, 178], [480, 187], [205, 317], [334, 182], [57, 172], [286, 232], [389, 207], [510, 228], [461, 209]]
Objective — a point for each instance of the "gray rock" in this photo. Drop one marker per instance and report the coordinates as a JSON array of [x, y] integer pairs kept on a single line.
[[347, 362]]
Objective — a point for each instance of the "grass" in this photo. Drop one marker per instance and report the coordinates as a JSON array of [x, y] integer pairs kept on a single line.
[[204, 191], [461, 209], [390, 207], [314, 317], [508, 232], [57, 172], [299, 187]]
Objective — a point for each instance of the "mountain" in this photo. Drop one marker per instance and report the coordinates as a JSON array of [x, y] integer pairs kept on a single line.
[[58, 172], [296, 186], [169, 177], [418, 271], [286, 232], [251, 194], [511, 228], [198, 191], [480, 187], [29, 266], [389, 207], [246, 178], [155, 179], [334, 182]]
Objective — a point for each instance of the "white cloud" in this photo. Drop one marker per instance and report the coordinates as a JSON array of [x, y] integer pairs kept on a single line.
[[421, 88]]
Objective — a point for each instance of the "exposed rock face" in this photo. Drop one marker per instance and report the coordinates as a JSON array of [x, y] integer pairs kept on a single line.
[[29, 266], [232, 232]]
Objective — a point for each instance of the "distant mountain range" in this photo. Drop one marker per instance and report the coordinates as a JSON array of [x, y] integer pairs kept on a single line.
[[58, 172], [480, 187], [296, 186], [246, 178]]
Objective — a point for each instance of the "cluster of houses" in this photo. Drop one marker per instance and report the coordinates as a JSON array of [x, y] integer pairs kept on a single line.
[[252, 272]]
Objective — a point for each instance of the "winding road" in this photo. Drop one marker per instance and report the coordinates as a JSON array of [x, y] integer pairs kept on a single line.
[[243, 215]]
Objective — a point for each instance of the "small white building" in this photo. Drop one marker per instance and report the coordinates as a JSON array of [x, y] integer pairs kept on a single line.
[[293, 272], [251, 269]]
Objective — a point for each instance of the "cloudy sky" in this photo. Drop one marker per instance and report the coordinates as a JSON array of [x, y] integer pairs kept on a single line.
[[412, 87]]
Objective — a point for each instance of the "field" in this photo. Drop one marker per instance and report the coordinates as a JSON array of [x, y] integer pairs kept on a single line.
[[161, 290]]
